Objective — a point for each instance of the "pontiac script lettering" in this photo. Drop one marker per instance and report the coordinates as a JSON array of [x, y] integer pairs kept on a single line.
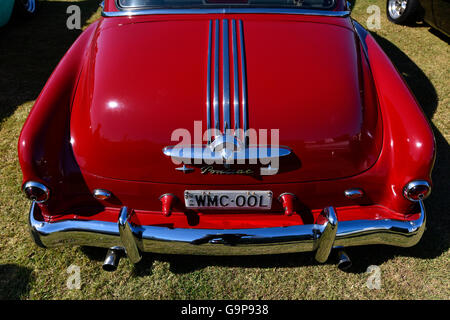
[[231, 147]]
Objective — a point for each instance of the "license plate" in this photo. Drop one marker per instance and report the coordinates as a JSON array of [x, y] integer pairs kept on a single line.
[[227, 199]]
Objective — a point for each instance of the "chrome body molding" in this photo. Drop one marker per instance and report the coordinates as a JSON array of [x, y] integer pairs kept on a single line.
[[216, 77], [225, 76], [235, 76], [354, 193], [362, 35], [243, 80], [208, 84], [156, 11], [319, 237], [184, 169], [230, 57], [348, 5], [226, 142], [208, 155], [101, 194]]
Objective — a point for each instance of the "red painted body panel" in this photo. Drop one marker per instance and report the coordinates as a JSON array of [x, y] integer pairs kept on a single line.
[[130, 102], [201, 220], [350, 120]]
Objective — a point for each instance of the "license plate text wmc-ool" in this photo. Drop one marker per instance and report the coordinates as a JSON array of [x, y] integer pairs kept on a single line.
[[227, 199]]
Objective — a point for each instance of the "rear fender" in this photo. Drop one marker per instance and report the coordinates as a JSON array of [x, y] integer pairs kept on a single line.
[[44, 144], [408, 143]]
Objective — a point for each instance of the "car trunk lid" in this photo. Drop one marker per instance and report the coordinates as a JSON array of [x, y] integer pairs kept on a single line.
[[145, 87]]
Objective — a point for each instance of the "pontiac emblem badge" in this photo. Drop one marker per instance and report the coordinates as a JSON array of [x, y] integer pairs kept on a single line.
[[227, 145]]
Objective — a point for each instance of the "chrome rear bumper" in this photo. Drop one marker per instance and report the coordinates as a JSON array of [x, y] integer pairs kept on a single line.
[[313, 237]]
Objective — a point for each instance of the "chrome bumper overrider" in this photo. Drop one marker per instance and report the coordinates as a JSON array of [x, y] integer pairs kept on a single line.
[[313, 237]]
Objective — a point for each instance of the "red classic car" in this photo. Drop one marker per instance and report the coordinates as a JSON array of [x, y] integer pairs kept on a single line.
[[226, 127]]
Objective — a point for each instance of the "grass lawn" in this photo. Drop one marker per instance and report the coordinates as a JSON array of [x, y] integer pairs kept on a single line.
[[30, 50]]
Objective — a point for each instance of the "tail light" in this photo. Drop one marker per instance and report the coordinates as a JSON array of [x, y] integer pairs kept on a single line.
[[417, 190], [36, 191]]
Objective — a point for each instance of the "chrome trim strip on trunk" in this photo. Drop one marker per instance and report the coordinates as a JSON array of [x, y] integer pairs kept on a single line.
[[235, 78], [230, 55], [166, 11], [226, 77], [216, 76], [298, 238], [208, 84], [243, 82]]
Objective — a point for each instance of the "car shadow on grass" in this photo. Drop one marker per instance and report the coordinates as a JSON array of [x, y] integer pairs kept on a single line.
[[31, 49], [14, 281], [440, 35], [435, 241], [184, 264]]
